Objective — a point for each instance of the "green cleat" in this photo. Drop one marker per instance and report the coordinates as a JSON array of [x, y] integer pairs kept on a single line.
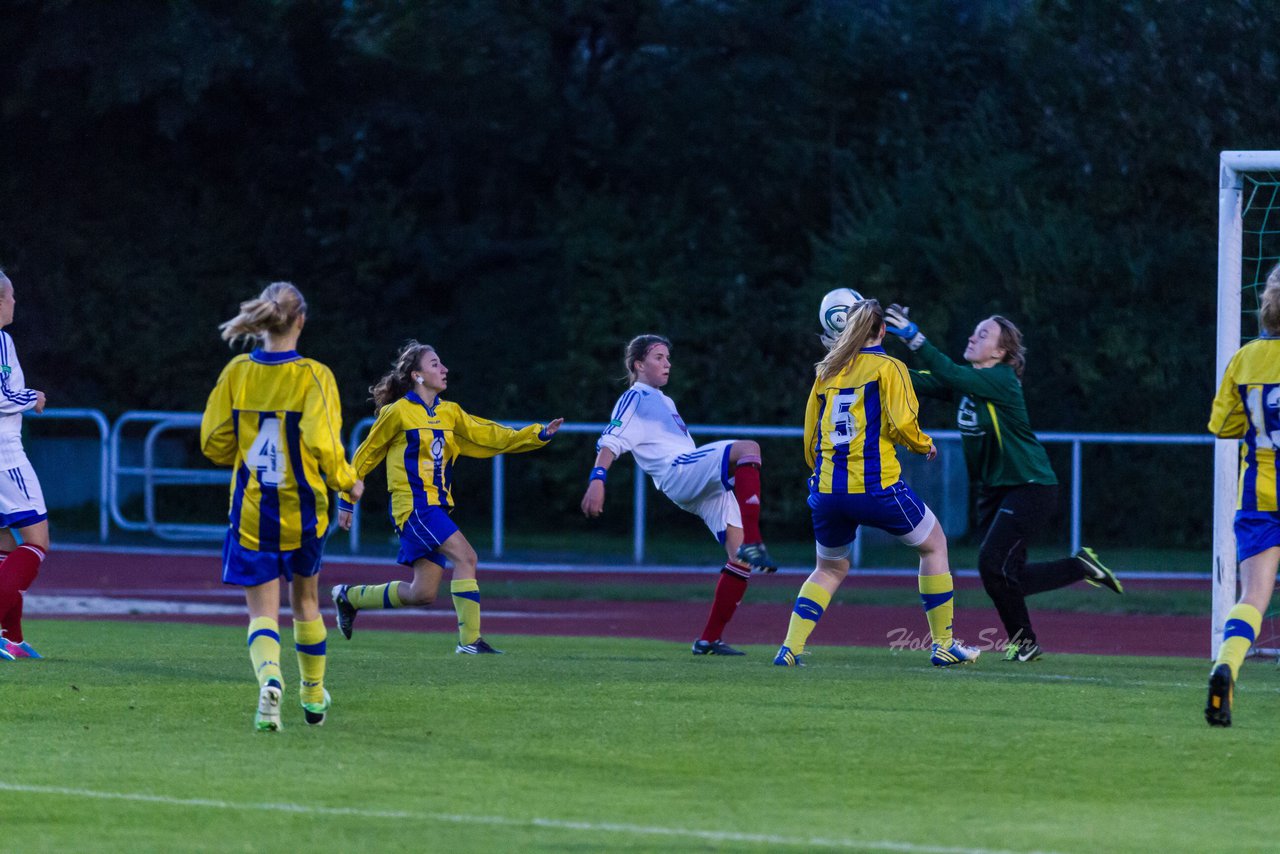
[[1097, 574], [1023, 652], [314, 713]]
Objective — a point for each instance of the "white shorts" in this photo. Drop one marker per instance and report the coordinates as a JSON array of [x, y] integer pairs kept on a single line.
[[21, 499], [700, 482]]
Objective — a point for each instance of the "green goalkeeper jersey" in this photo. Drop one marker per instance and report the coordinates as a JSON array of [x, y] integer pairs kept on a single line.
[[999, 447]]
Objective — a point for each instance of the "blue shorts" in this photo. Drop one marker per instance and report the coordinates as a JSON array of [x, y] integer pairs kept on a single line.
[[836, 518], [423, 533], [248, 568], [1256, 531]]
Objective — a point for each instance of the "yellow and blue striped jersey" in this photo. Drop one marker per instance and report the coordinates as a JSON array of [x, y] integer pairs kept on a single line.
[[853, 421], [275, 417], [1247, 407], [420, 441]]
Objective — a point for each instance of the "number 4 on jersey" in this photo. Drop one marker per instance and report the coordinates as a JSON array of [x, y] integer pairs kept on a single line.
[[265, 455]]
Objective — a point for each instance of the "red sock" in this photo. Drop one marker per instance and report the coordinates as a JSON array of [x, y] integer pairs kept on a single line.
[[746, 488], [729, 590], [17, 572]]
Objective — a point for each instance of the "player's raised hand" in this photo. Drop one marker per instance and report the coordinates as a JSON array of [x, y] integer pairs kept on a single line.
[[898, 322], [550, 429]]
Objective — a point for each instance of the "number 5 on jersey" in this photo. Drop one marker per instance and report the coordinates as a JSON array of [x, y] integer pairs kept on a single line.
[[266, 456], [843, 424]]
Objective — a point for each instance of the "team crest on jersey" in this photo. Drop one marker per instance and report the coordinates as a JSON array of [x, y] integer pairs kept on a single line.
[[437, 450], [6, 370], [675, 416]]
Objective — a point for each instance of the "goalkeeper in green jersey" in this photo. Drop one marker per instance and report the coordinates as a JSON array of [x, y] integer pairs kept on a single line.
[[1016, 486]]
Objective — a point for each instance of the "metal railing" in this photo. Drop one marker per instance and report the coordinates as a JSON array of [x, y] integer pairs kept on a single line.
[[99, 420], [112, 469], [153, 475], [710, 432]]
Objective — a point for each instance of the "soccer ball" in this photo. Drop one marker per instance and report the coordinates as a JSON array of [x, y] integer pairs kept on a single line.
[[834, 312]]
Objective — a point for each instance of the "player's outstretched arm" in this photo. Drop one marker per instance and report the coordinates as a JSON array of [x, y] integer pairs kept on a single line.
[[593, 499]]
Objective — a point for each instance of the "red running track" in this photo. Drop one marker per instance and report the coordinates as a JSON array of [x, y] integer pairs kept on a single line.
[[71, 576]]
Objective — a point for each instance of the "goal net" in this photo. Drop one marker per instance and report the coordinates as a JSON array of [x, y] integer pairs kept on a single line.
[[1248, 247]]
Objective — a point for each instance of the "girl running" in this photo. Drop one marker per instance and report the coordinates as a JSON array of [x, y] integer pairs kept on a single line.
[[420, 435], [274, 417]]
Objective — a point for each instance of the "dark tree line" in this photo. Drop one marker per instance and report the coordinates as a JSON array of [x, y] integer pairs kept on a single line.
[[526, 185]]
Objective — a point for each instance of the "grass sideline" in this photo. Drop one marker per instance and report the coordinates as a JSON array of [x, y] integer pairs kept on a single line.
[[138, 735]]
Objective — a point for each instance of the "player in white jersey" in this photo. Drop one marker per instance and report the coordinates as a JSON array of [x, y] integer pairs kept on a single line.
[[719, 482], [21, 501]]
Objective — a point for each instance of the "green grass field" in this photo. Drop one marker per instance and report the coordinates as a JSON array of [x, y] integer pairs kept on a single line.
[[138, 737]]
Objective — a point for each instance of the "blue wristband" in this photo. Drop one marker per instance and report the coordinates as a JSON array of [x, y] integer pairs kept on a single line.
[[345, 505], [543, 436], [599, 473]]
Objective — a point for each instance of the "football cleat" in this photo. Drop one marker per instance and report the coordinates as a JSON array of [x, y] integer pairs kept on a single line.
[[28, 651], [1217, 711], [757, 557], [715, 647], [477, 647], [267, 718], [787, 658], [346, 612], [1024, 651], [314, 713], [956, 653], [10, 651], [1097, 574]]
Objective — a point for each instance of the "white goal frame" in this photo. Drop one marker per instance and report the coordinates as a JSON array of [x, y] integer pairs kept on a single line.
[[1233, 165]]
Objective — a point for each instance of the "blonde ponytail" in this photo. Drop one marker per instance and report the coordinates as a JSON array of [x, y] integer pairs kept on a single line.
[[1269, 313], [864, 325], [272, 312]]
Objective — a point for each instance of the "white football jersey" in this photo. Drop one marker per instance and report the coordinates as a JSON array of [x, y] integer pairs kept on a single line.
[[15, 399], [646, 423]]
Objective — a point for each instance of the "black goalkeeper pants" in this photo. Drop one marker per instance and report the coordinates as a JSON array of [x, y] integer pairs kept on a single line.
[[1011, 516]]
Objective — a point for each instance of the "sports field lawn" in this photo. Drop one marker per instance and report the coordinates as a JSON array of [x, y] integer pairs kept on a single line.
[[138, 736]]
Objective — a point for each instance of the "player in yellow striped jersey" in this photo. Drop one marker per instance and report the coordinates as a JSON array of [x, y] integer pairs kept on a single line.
[[861, 406], [419, 435], [1248, 407], [274, 417]]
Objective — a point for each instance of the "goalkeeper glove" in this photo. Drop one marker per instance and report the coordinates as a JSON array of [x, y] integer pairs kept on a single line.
[[898, 323]]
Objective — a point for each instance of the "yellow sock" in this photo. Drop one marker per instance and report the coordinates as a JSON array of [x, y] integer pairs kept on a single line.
[[937, 593], [308, 640], [264, 649], [373, 596], [810, 605], [1241, 630], [466, 601]]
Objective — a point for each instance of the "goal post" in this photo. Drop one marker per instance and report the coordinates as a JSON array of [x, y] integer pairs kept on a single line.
[[1248, 245]]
